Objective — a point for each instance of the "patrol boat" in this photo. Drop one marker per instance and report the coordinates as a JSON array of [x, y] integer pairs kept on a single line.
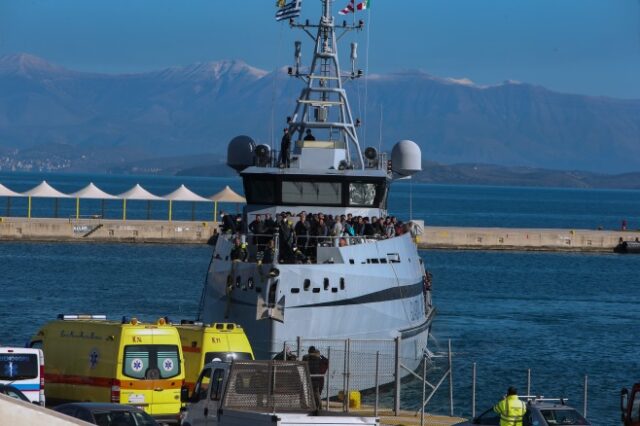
[[371, 288]]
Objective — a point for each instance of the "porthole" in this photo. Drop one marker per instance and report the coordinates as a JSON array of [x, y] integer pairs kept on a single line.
[[307, 284], [342, 283], [334, 289], [351, 261], [316, 289], [326, 283], [295, 290]]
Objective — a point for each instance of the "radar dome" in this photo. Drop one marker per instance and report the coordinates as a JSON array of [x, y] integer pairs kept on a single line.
[[406, 158], [240, 152]]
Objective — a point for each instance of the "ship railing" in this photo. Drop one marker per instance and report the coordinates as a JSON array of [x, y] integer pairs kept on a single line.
[[272, 159], [268, 248]]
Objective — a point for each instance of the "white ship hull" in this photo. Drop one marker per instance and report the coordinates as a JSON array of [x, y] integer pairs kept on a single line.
[[359, 300]]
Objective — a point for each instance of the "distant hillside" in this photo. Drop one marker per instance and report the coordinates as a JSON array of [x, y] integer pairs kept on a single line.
[[56, 119], [484, 174]]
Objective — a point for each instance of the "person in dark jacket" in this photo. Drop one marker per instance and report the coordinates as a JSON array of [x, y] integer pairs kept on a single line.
[[287, 241], [368, 228], [302, 233], [318, 366], [258, 229], [269, 223], [239, 251], [228, 224], [285, 355], [359, 226], [269, 253], [285, 149], [377, 226], [309, 136]]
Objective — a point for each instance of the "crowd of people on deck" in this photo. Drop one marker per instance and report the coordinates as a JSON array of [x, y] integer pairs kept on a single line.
[[300, 235]]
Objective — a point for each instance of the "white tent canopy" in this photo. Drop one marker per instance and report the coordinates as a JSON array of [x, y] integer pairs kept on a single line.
[[44, 190], [139, 193], [184, 194], [93, 192], [6, 192], [228, 195]]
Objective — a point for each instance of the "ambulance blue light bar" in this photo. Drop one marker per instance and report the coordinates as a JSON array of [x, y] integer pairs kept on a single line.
[[81, 317]]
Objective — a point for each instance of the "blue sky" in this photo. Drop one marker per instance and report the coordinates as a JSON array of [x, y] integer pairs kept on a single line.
[[578, 46]]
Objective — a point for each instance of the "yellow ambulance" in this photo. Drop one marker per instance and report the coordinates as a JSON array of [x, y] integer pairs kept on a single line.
[[127, 362], [202, 343]]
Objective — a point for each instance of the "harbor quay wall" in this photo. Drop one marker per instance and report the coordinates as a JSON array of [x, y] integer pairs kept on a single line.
[[522, 239], [187, 232], [101, 230]]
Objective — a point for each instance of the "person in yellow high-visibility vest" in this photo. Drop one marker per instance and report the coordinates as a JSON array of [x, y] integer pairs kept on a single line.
[[511, 409]]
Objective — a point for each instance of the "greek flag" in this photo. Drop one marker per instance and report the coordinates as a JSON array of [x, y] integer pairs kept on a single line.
[[289, 10]]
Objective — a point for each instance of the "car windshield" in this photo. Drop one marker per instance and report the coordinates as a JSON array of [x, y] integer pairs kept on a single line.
[[226, 356], [151, 362], [13, 393], [18, 366], [565, 416], [123, 418]]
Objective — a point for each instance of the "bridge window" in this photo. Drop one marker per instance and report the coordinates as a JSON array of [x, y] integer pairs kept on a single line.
[[260, 190], [362, 194], [367, 194], [305, 192]]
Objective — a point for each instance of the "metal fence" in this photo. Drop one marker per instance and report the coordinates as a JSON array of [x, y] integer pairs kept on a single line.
[[367, 375], [389, 383]]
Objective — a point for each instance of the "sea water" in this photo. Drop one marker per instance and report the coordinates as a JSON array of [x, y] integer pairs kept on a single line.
[[561, 315]]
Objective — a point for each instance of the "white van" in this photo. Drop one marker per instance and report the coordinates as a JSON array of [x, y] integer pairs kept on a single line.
[[23, 368]]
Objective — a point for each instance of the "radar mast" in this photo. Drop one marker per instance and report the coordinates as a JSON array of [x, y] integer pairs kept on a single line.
[[323, 104]]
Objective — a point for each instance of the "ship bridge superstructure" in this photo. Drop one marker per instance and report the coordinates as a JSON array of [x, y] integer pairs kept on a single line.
[[321, 166]]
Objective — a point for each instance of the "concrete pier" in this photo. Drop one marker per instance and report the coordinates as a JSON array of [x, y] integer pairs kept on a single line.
[[186, 232], [101, 230], [522, 239]]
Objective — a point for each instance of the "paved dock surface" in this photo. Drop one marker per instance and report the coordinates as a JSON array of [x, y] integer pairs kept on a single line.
[[404, 417], [411, 420]]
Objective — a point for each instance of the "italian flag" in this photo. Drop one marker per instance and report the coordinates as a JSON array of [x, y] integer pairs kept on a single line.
[[363, 5]]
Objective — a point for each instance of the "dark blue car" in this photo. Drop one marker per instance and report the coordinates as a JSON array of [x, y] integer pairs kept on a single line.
[[540, 412], [104, 414]]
